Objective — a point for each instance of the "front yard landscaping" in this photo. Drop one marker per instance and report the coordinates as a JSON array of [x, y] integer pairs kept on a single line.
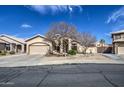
[[4, 53], [77, 57]]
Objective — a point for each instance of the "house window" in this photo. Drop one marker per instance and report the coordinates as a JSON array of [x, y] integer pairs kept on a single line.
[[117, 37], [122, 36], [2, 46], [8, 47], [74, 47]]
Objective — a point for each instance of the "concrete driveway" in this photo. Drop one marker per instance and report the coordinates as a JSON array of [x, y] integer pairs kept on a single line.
[[80, 75], [20, 60], [35, 60]]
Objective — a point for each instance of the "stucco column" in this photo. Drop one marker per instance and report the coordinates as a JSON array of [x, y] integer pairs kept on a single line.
[[22, 48], [113, 48], [116, 48], [27, 48], [11, 47], [69, 44], [61, 46], [50, 48], [15, 48], [78, 48]]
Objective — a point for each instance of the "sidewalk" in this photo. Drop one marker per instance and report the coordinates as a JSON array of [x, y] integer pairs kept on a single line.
[[112, 56]]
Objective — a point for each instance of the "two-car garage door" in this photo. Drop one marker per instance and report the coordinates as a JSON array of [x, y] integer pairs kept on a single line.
[[38, 49]]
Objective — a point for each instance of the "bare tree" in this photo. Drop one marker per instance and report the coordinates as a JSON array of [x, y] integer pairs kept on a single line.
[[86, 39], [61, 29]]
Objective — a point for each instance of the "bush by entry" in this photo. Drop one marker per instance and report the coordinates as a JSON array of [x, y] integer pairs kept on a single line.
[[72, 52]]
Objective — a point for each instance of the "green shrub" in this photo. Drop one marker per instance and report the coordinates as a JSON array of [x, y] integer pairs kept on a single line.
[[3, 53], [12, 52], [72, 52]]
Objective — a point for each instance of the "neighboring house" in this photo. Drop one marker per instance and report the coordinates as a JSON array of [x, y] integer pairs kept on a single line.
[[38, 45], [118, 42], [9, 43]]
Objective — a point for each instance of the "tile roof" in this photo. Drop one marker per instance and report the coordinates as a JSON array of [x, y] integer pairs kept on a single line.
[[35, 37], [12, 39]]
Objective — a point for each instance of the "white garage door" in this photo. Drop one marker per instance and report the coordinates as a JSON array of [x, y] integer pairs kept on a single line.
[[39, 49], [120, 50]]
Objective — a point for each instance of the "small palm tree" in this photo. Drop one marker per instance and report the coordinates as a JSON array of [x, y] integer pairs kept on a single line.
[[102, 42]]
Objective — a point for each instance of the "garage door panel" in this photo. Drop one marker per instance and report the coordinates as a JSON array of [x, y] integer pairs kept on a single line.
[[120, 50], [39, 49]]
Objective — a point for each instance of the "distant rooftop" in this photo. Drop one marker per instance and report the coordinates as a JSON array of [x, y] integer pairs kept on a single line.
[[117, 32], [14, 38]]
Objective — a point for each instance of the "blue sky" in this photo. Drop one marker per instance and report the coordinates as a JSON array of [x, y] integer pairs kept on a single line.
[[26, 21]]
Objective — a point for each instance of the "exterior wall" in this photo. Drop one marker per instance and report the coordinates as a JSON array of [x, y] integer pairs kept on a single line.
[[104, 49], [118, 37], [79, 48], [92, 50], [37, 40], [2, 46]]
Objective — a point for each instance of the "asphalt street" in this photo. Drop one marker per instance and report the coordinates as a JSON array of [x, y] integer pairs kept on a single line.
[[75, 75]]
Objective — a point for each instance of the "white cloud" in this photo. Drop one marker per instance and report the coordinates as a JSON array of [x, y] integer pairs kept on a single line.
[[116, 15], [26, 26], [70, 9], [43, 9], [108, 34]]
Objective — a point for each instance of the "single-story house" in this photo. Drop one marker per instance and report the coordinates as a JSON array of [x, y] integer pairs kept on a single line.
[[39, 44], [118, 42], [9, 43]]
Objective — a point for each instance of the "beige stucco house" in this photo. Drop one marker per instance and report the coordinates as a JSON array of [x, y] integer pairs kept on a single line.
[[39, 44], [10, 43], [118, 42]]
